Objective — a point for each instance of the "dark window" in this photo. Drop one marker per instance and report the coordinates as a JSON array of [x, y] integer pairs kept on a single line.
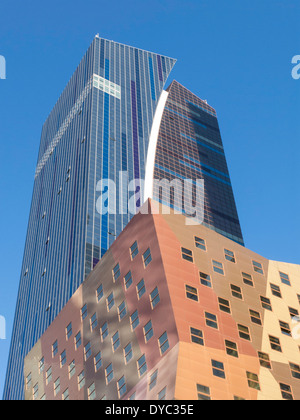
[[197, 336], [205, 279], [218, 369], [229, 255], [187, 254], [257, 267], [275, 290], [200, 243], [191, 293], [134, 250]]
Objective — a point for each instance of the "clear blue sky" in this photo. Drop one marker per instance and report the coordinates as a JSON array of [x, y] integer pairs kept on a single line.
[[236, 54]]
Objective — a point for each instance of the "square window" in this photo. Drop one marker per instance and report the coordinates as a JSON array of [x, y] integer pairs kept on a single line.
[[81, 380], [162, 394], [69, 331], [266, 303], [122, 310], [134, 250], [218, 267], [236, 291], [115, 341], [134, 320], [56, 386], [72, 369], [99, 293], [98, 362], [121, 385], [132, 397], [200, 243], [78, 340], [163, 343], [197, 336], [224, 305], [264, 360], [211, 320], [87, 351], [65, 395], [84, 312], [253, 381], [54, 348], [128, 353], [295, 370], [231, 348], [109, 373], [229, 255], [275, 290], [63, 358], [286, 392], [244, 332], [142, 366], [128, 280], [191, 293], [203, 393], [294, 312], [285, 278], [275, 343], [257, 267], [110, 301], [247, 279], [187, 254], [42, 365], [285, 328], [49, 375], [255, 317], [116, 272], [92, 393], [94, 322], [28, 381], [104, 331], [218, 369], [148, 331], [154, 298], [205, 279], [153, 380], [141, 289], [147, 257]]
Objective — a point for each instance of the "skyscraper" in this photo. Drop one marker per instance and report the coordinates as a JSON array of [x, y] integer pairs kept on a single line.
[[98, 128], [115, 123], [189, 146]]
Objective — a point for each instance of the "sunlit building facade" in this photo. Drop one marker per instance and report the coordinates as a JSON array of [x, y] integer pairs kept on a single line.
[[174, 312]]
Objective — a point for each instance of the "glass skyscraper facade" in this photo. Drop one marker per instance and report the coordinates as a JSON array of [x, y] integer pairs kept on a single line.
[[189, 146], [114, 122], [98, 129]]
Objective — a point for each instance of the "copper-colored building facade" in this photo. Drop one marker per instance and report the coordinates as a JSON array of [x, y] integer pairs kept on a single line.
[[174, 312]]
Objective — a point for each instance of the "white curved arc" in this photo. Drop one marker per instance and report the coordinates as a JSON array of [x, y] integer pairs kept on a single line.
[[150, 162]]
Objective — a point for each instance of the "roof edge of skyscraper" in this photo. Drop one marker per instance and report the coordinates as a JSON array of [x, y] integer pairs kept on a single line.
[[193, 93], [131, 46]]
